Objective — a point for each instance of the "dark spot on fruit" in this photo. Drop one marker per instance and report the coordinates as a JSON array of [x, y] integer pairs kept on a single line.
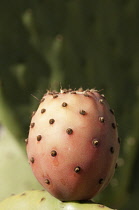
[[101, 101], [23, 194], [39, 137], [101, 206], [53, 153], [64, 104], [51, 121], [32, 160], [101, 181], [64, 91], [112, 150], [101, 119], [33, 113], [42, 100], [77, 169], [116, 165], [119, 140], [26, 141], [55, 96], [69, 131], [82, 112], [113, 125], [50, 93], [112, 111], [32, 124], [42, 199], [55, 92], [73, 92], [95, 142], [43, 110], [47, 181]]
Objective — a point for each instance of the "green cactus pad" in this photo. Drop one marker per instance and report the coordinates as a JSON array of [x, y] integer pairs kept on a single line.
[[42, 200]]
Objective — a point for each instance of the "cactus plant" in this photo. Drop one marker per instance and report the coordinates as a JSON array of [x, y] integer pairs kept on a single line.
[[73, 42], [42, 200]]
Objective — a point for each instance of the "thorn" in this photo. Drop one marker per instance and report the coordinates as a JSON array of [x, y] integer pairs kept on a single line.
[[102, 95], [86, 94], [60, 86], [80, 89], [101, 101], [35, 97], [99, 90]]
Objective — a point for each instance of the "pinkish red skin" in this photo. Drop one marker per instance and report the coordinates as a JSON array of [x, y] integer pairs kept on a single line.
[[95, 164]]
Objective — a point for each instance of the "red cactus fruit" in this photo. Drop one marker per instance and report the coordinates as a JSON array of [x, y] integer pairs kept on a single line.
[[73, 144]]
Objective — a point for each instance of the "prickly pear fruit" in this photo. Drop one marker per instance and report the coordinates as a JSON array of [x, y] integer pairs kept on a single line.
[[42, 200], [73, 144]]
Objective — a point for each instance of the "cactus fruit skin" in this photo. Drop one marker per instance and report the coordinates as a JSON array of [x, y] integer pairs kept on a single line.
[[42, 200], [73, 144]]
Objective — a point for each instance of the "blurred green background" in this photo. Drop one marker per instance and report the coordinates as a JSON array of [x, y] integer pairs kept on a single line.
[[46, 44]]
